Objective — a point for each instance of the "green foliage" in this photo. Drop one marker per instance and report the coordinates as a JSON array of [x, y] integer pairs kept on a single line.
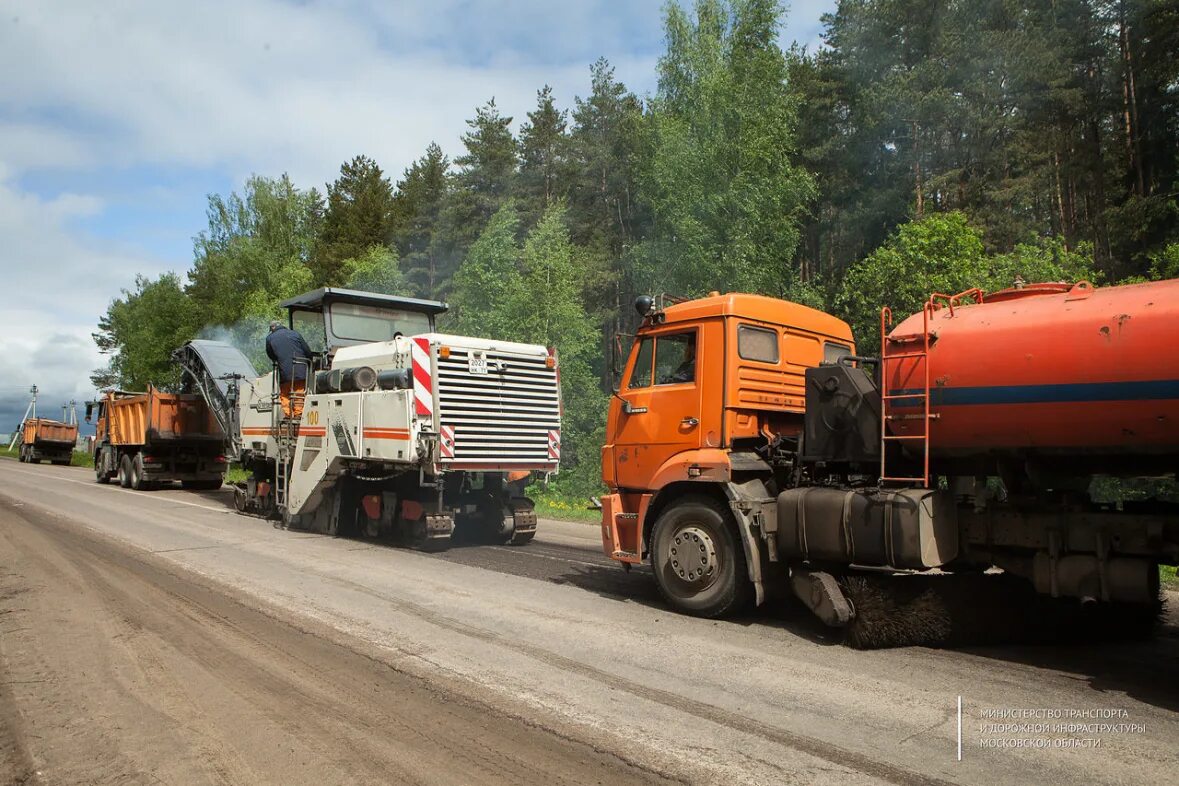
[[255, 252], [374, 271], [1164, 263], [941, 253], [484, 179], [360, 214], [488, 282], [725, 193], [417, 220], [544, 168], [1047, 259], [141, 328]]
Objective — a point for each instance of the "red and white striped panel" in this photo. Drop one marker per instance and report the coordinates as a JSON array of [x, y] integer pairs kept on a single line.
[[446, 441], [423, 378], [555, 444]]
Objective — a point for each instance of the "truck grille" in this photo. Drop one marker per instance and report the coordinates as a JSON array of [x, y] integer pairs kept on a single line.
[[504, 416]]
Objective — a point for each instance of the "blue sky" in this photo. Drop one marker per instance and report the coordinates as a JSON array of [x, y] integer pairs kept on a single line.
[[118, 119]]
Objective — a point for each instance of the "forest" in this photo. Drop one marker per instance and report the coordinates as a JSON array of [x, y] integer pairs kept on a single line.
[[927, 145]]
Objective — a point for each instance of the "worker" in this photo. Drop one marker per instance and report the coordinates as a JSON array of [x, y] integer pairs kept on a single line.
[[292, 359]]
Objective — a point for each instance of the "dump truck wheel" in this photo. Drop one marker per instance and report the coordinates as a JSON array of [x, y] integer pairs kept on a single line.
[[137, 481], [100, 473], [125, 472], [698, 562]]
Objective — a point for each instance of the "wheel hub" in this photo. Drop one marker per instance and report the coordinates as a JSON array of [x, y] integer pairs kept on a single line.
[[692, 555]]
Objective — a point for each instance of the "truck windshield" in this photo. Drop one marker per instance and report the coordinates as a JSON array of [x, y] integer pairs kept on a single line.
[[355, 322]]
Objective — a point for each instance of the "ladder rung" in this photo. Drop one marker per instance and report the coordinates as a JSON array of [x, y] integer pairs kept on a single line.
[[907, 338], [931, 416], [903, 480], [904, 355], [906, 436], [906, 395]]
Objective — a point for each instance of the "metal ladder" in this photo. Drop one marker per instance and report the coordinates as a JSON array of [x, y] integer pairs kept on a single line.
[[919, 354]]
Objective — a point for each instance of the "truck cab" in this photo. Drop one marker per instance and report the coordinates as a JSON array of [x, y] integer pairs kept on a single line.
[[711, 387]]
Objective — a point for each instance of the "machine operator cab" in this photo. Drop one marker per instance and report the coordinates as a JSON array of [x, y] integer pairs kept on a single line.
[[330, 318]]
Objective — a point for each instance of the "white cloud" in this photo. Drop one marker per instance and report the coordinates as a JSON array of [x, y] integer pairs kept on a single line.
[[268, 86]]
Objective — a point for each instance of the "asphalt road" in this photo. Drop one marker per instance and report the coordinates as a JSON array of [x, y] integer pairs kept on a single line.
[[160, 637]]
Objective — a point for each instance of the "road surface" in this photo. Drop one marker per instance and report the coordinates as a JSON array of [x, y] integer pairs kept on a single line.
[[161, 638]]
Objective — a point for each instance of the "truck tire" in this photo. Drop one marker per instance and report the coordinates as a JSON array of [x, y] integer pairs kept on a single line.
[[698, 560], [125, 472], [100, 473], [137, 481]]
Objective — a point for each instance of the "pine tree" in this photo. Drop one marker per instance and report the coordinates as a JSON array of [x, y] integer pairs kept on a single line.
[[483, 182], [417, 214], [604, 150], [544, 158], [359, 215]]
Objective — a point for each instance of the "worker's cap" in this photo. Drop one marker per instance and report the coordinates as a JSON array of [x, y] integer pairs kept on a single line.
[[275, 324]]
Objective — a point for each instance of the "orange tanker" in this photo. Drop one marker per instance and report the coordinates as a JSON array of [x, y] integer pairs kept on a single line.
[[145, 439], [43, 439], [1047, 379]]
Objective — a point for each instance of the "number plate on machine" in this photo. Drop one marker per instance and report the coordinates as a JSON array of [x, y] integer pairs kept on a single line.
[[477, 363]]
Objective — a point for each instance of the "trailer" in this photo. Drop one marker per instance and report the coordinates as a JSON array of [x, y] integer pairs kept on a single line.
[[148, 439], [42, 439]]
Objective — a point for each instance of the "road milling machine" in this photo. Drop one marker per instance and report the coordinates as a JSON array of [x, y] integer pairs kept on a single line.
[[404, 432], [751, 451]]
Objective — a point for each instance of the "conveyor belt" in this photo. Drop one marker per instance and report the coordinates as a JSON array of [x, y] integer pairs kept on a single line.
[[212, 368]]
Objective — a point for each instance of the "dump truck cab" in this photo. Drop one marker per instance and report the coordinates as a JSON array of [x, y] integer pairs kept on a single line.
[[710, 389]]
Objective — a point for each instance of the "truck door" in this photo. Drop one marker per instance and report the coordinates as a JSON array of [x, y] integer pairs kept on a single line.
[[660, 414]]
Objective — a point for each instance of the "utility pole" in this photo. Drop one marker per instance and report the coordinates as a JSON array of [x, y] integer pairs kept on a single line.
[[32, 408], [73, 412]]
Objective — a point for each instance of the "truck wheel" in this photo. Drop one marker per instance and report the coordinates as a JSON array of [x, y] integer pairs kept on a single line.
[[699, 563], [100, 473], [125, 472], [137, 481]]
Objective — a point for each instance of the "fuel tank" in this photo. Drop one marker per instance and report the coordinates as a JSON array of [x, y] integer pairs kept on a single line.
[[1053, 369]]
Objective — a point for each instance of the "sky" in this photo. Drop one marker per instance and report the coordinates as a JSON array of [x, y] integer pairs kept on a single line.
[[117, 120]]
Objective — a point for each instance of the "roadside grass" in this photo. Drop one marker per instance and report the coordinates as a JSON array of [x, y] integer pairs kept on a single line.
[[235, 474], [556, 503], [1168, 577]]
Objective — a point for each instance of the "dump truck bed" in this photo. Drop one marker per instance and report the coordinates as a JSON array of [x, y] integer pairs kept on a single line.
[[41, 430], [155, 418]]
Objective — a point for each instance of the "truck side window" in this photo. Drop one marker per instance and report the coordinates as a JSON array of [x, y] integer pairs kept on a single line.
[[758, 344], [640, 376], [833, 352], [675, 359]]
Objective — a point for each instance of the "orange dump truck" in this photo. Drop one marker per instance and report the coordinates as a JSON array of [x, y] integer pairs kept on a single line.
[[153, 438], [51, 440]]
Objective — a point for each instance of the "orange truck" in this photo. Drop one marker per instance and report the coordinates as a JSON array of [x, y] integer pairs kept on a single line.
[[750, 452], [147, 439], [50, 440]]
